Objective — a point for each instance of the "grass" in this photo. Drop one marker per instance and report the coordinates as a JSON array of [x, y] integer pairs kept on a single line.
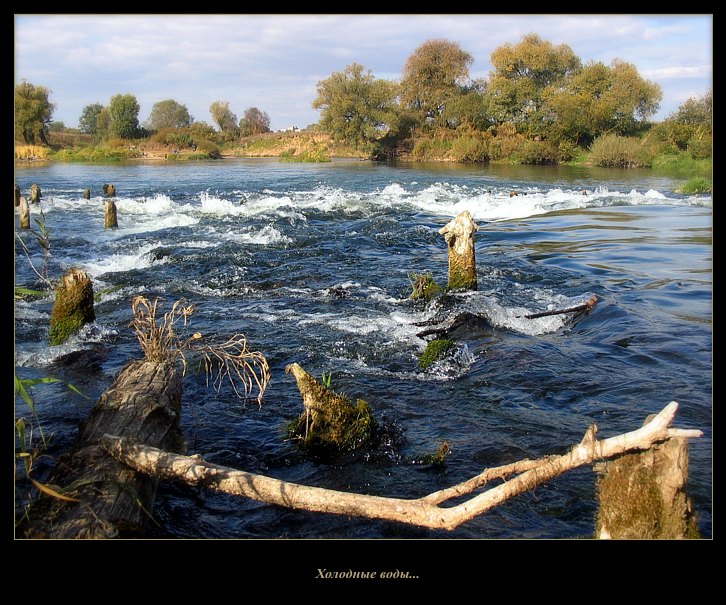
[[311, 155], [161, 340], [100, 153], [695, 185], [31, 152], [682, 162]]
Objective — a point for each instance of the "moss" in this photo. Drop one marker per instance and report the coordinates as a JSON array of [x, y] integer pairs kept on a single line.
[[434, 350], [423, 286], [73, 306], [435, 459], [330, 424]]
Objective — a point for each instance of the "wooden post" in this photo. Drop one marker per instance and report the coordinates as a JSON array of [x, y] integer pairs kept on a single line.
[[73, 306], [641, 495], [109, 190], [35, 194], [110, 215], [111, 499], [17, 195], [459, 236], [24, 213], [86, 194]]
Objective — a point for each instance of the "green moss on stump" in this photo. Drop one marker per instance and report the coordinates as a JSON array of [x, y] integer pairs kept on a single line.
[[73, 306], [423, 287], [434, 350], [331, 424]]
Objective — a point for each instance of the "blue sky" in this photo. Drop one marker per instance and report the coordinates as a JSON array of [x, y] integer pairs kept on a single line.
[[274, 62]]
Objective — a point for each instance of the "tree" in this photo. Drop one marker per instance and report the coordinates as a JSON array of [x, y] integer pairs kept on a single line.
[[124, 116], [433, 75], [520, 77], [33, 111], [356, 108], [88, 122], [168, 114], [254, 121], [222, 116], [470, 108], [696, 112], [601, 99]]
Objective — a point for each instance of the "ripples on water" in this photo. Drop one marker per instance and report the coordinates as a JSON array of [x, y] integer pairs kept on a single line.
[[312, 264]]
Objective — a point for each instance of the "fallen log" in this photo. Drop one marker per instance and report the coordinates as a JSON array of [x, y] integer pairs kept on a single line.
[[424, 511], [105, 498], [586, 306]]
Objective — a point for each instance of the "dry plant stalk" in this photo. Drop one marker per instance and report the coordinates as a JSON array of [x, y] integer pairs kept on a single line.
[[231, 359]]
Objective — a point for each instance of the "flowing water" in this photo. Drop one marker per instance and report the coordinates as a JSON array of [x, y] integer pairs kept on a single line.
[[312, 262]]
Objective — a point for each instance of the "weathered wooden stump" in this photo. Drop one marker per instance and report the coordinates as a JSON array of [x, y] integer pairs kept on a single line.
[[35, 194], [86, 194], [641, 495], [109, 190], [459, 236], [24, 213], [17, 195], [114, 501], [110, 215], [330, 424], [73, 305]]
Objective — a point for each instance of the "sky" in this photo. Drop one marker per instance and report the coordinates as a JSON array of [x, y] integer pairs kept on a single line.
[[274, 62]]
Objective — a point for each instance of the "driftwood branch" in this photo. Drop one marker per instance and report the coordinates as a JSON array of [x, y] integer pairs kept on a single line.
[[586, 306], [424, 511]]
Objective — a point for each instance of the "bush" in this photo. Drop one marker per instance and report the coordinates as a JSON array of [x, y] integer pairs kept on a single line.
[[431, 148], [700, 148], [27, 152], [614, 151], [470, 149], [312, 155], [211, 150], [179, 137], [538, 152]]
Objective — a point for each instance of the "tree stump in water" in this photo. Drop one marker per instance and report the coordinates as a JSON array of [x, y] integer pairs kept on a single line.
[[459, 236], [110, 215], [331, 424], [24, 213], [109, 190], [35, 194], [86, 194], [17, 195], [641, 495], [73, 305], [143, 404]]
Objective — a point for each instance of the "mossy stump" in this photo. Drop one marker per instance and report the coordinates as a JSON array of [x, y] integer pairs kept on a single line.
[[110, 215], [435, 349], [330, 425], [423, 287], [24, 213], [109, 190], [73, 305], [86, 194], [35, 194], [17, 195], [641, 496], [459, 237]]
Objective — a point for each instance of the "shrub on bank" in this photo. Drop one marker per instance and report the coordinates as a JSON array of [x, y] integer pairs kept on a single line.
[[613, 151], [695, 185]]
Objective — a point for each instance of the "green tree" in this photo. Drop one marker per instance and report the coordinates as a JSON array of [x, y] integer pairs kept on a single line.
[[88, 122], [33, 112], [222, 116], [522, 73], [168, 114], [254, 121], [123, 113], [470, 108], [355, 107], [696, 112], [433, 75], [601, 99]]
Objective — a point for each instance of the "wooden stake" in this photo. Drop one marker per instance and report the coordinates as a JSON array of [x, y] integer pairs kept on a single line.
[[110, 215], [459, 237]]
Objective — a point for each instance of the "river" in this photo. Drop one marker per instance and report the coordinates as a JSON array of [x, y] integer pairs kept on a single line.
[[312, 261]]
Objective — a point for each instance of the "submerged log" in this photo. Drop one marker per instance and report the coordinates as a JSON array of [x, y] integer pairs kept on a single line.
[[24, 213], [641, 496], [109, 190], [110, 215], [35, 194], [459, 236], [425, 511], [330, 424], [17, 195], [86, 194], [111, 499], [73, 306]]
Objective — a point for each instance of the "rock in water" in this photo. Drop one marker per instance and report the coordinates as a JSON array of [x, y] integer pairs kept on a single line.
[[24, 213], [35, 194], [109, 190], [110, 215], [86, 194], [73, 305]]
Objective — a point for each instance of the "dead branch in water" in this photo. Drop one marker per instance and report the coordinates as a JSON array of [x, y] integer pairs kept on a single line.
[[424, 511]]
